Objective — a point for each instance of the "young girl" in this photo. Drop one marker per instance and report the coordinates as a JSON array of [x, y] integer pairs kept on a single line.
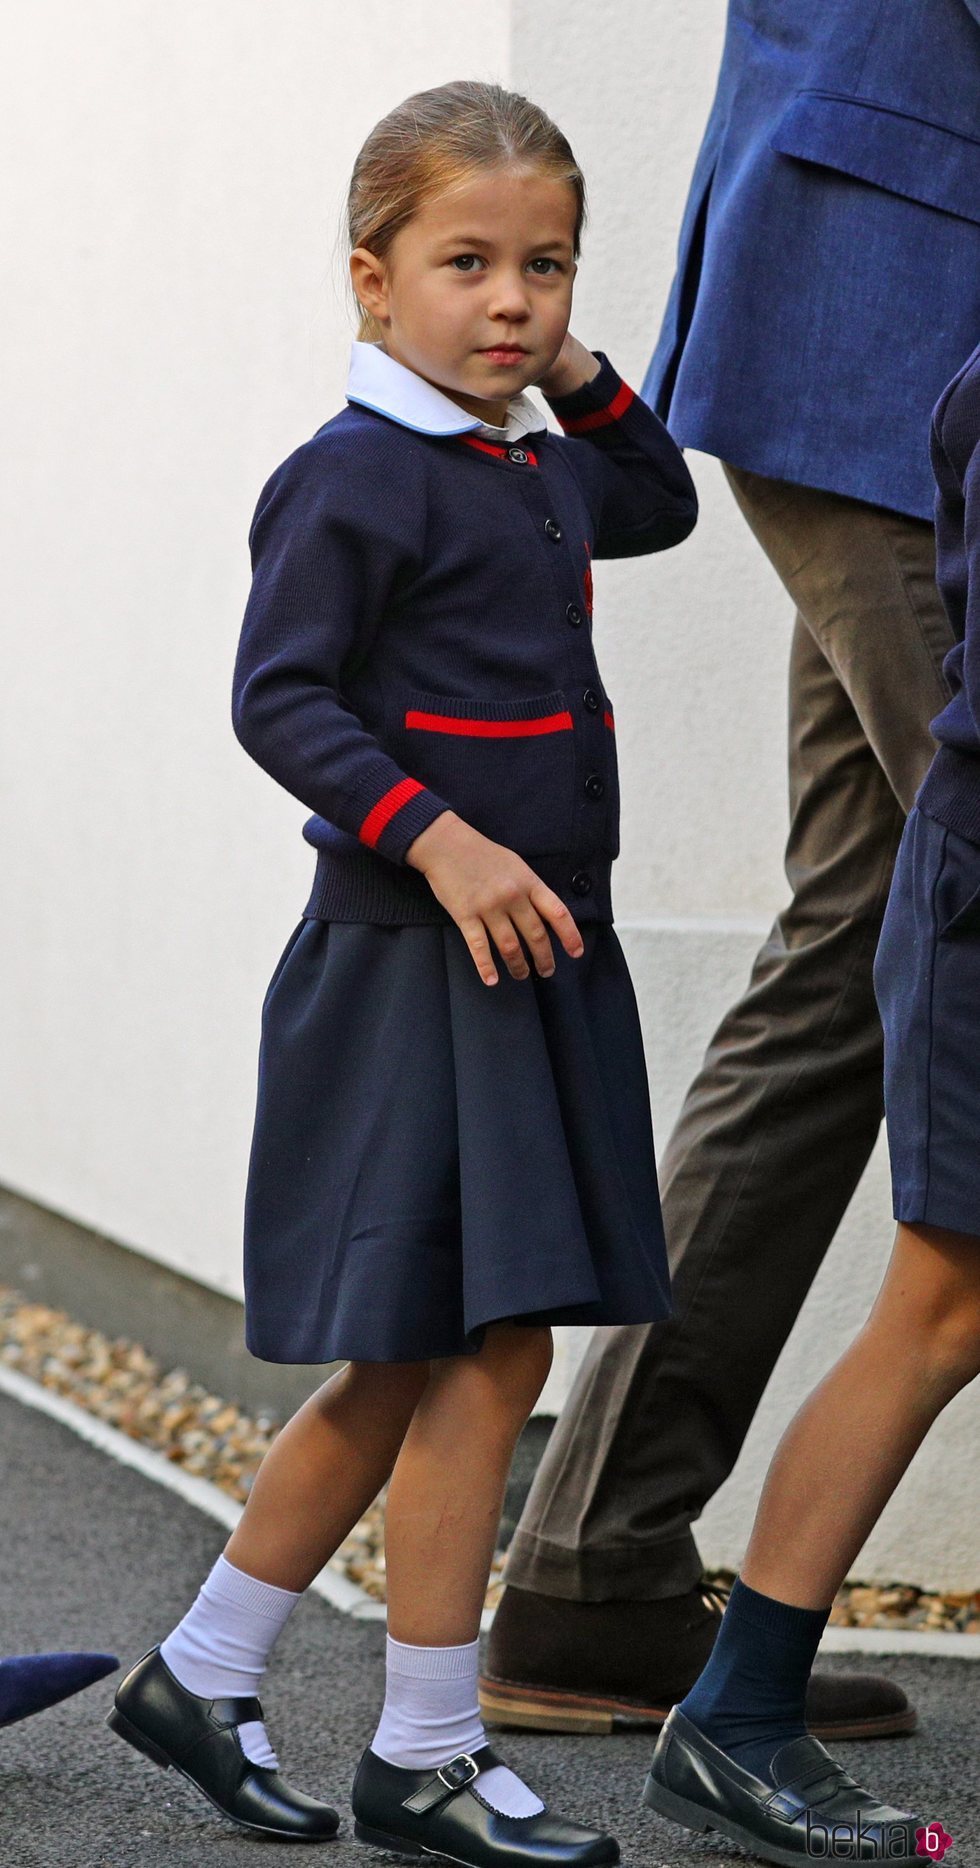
[[734, 1755], [452, 1145]]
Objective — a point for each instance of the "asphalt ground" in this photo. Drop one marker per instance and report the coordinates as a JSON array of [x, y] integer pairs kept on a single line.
[[94, 1555]]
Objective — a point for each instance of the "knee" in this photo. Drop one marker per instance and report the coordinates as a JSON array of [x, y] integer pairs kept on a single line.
[[388, 1385], [952, 1344]]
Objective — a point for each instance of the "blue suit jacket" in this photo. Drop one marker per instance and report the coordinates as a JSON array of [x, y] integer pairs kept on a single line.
[[828, 282]]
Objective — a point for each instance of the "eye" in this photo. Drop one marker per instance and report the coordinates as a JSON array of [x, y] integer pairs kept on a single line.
[[544, 260], [463, 256]]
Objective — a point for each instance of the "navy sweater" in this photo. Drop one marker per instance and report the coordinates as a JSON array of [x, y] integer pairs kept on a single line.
[[950, 790], [418, 637]]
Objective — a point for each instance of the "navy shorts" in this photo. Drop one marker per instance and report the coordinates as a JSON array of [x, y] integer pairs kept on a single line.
[[927, 983]]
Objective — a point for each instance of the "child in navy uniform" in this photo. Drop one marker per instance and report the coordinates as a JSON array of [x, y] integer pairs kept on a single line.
[[452, 1146], [734, 1755]]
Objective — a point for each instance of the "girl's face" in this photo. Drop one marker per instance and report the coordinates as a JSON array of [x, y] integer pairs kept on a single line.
[[484, 266]]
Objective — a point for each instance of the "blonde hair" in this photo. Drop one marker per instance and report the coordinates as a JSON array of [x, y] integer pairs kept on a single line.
[[435, 139]]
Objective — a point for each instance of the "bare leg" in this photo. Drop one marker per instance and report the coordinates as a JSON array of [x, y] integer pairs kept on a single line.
[[443, 1511], [446, 1492], [920, 1344], [323, 1470], [918, 1348]]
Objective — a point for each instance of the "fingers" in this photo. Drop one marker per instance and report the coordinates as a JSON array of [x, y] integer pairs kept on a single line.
[[522, 919], [475, 935], [561, 918], [534, 932], [505, 939]]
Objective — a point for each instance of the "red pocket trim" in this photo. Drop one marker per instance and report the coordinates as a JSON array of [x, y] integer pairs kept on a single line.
[[489, 729]]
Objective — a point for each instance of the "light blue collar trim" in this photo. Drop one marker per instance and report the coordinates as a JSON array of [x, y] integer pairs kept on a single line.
[[381, 383]]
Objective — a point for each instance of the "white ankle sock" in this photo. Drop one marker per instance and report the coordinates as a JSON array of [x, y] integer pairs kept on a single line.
[[221, 1646], [432, 1711]]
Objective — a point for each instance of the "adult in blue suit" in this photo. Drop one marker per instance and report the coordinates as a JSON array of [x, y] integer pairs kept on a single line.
[[828, 287]]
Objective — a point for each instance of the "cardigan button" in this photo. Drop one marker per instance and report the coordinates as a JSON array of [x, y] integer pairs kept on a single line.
[[517, 454], [573, 615], [594, 785], [582, 882], [552, 528], [590, 699]]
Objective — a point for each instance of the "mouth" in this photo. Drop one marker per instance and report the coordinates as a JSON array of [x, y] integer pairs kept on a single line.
[[504, 353]]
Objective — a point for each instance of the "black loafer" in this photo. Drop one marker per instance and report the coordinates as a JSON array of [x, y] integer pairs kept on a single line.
[[808, 1809], [197, 1736], [439, 1813]]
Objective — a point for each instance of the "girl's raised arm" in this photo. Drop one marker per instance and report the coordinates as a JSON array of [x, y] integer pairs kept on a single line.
[[631, 469]]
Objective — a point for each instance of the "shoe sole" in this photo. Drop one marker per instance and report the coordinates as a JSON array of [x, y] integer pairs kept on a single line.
[[396, 1845], [689, 1816], [124, 1728], [541, 1709]]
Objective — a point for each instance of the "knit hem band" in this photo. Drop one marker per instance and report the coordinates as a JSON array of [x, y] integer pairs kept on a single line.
[[363, 886], [950, 792]]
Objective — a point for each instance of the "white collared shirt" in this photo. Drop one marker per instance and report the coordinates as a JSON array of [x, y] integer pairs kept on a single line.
[[380, 382]]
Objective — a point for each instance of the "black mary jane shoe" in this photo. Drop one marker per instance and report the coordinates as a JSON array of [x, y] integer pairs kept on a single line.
[[440, 1813], [197, 1736], [808, 1809]]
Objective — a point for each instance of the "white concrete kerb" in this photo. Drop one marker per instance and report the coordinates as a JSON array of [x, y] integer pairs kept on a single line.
[[337, 1589]]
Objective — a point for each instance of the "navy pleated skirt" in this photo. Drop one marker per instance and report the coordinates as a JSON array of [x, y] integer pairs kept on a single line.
[[431, 1154]]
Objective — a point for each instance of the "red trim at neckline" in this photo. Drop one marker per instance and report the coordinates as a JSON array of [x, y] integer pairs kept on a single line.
[[502, 453]]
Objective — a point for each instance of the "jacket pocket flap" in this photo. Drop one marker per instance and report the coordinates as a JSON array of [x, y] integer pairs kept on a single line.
[[905, 155]]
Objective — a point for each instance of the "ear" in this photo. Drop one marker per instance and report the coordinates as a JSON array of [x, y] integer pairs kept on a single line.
[[368, 279]]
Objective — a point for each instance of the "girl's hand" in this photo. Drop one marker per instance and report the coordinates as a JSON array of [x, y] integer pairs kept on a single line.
[[573, 366], [489, 889]]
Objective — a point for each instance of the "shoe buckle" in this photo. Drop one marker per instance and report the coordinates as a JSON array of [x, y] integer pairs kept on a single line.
[[459, 1771]]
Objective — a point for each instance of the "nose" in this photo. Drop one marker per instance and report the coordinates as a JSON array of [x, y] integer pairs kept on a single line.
[[508, 297]]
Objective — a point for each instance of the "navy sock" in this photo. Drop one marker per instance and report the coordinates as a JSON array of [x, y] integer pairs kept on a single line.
[[749, 1698]]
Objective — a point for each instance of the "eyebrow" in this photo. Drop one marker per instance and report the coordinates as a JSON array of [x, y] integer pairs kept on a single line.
[[464, 239]]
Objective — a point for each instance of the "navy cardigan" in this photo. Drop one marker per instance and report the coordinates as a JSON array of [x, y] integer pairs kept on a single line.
[[418, 638], [950, 790]]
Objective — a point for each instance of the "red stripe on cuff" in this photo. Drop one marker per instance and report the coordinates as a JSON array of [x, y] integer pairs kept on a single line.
[[490, 729], [580, 424], [609, 722], [385, 809]]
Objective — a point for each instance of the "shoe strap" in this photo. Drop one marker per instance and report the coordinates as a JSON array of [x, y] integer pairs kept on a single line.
[[237, 1710], [450, 1779], [810, 1789]]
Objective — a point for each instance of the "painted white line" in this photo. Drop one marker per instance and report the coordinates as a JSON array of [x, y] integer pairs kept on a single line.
[[332, 1585], [907, 1641], [338, 1589]]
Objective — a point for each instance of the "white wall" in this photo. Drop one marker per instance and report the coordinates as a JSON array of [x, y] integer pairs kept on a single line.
[[174, 324], [174, 309]]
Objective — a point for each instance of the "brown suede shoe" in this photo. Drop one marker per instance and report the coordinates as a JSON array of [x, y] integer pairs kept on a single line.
[[558, 1666]]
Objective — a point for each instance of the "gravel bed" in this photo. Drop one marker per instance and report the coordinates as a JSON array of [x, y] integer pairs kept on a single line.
[[205, 1434]]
